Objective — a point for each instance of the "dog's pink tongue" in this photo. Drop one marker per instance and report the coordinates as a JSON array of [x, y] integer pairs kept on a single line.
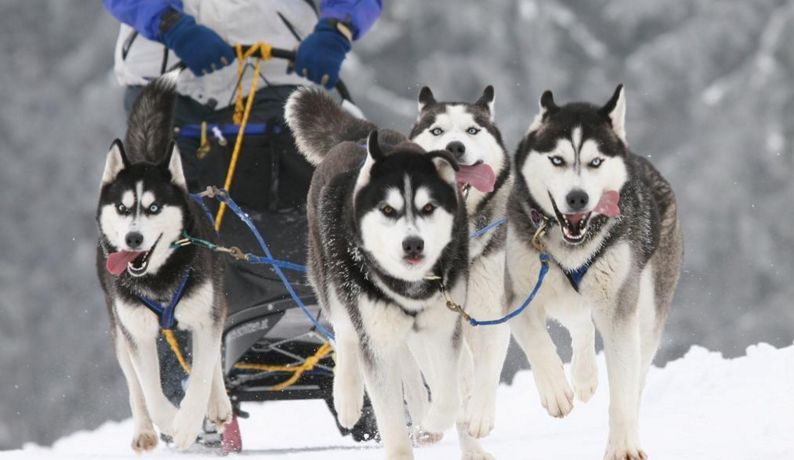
[[608, 204], [479, 176], [117, 261]]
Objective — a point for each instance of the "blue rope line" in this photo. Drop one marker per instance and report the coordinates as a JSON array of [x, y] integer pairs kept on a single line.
[[224, 197], [544, 268], [252, 259], [488, 228]]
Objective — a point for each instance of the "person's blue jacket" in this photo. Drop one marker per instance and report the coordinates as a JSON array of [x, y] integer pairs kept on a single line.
[[144, 15]]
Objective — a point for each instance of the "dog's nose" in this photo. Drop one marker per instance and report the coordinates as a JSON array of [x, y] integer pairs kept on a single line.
[[413, 246], [577, 200], [456, 148], [133, 240]]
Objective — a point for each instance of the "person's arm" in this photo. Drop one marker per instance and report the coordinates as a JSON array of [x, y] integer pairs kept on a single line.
[[199, 47], [360, 15], [142, 15]]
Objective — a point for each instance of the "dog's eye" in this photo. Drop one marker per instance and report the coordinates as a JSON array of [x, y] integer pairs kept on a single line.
[[596, 162], [428, 209], [154, 208], [123, 210], [388, 211], [473, 130], [436, 131], [557, 161]]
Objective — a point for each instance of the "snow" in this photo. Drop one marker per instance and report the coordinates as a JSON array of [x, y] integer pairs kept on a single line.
[[701, 406]]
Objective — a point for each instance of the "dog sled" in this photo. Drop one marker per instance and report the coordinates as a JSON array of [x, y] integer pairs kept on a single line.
[[276, 344]]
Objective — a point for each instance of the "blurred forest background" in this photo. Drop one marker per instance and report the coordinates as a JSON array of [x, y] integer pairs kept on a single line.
[[710, 87]]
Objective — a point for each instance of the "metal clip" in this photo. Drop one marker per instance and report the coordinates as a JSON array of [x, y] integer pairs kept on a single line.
[[539, 233], [451, 304], [237, 253], [182, 243]]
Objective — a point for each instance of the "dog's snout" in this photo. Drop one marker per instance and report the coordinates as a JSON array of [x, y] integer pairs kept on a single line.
[[577, 200], [413, 246], [456, 148], [134, 240]]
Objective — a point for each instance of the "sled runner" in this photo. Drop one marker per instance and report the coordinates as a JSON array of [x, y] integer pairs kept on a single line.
[[276, 346]]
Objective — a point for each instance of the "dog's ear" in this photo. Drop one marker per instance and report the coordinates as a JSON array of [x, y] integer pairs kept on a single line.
[[374, 154], [615, 110], [373, 147], [115, 162], [173, 164], [546, 106], [445, 165], [487, 99], [426, 98]]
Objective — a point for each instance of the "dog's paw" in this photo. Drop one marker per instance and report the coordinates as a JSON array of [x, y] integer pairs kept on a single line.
[[144, 441], [219, 411], [584, 372], [555, 393], [423, 438], [623, 448], [348, 409], [400, 456], [479, 417], [186, 427]]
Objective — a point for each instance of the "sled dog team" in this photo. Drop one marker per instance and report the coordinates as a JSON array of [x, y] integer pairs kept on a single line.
[[399, 228]]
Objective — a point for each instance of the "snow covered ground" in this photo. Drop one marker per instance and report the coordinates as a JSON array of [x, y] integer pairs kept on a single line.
[[699, 407]]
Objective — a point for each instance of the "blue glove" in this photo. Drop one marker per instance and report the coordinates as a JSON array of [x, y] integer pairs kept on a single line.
[[321, 53], [199, 47]]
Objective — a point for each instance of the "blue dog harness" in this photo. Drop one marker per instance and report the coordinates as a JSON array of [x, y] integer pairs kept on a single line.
[[166, 313]]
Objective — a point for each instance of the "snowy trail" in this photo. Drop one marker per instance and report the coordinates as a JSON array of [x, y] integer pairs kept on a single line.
[[699, 407]]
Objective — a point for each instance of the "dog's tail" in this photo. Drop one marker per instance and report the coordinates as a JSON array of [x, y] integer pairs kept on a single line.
[[319, 123], [150, 124]]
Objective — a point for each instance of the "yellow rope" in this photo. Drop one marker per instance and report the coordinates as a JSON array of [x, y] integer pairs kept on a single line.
[[297, 370], [171, 339], [241, 114]]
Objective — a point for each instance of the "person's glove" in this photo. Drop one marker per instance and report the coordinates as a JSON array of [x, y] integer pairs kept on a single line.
[[321, 53], [199, 47]]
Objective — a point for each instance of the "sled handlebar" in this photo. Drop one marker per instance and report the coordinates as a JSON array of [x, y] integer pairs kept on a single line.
[[289, 55]]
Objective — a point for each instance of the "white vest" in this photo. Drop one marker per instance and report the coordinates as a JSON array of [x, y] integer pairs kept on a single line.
[[237, 21]]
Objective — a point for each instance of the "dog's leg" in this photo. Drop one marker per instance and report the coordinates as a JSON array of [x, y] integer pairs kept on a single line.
[[219, 411], [530, 331], [348, 387], [620, 330], [443, 345], [414, 389], [488, 344], [193, 408], [384, 385], [147, 367], [584, 370], [144, 438]]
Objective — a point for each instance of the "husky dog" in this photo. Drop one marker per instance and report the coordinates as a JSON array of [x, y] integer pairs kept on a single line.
[[607, 219], [144, 208], [384, 224], [468, 132]]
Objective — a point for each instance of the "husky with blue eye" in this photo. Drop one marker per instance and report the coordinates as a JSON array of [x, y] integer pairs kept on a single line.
[[143, 209], [608, 220], [387, 236], [467, 130]]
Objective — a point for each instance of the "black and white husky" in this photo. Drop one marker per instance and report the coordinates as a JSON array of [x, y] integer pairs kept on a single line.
[[144, 208], [608, 221], [384, 222], [468, 131]]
